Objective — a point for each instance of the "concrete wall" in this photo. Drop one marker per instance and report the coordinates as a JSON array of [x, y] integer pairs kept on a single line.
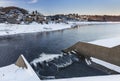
[[20, 62], [111, 55]]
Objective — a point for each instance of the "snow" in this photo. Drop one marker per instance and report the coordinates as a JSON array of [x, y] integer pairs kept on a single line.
[[95, 78], [45, 57], [88, 61], [10, 29], [109, 42], [106, 64], [15, 73], [59, 60]]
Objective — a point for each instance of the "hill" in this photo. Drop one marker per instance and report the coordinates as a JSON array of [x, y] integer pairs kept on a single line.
[[8, 9]]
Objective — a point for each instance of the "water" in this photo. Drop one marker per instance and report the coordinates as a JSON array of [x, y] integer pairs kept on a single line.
[[32, 45], [63, 66]]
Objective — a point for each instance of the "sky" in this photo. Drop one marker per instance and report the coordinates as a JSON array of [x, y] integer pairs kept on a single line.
[[82, 7]]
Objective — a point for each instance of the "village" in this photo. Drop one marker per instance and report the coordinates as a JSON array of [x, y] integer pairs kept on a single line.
[[16, 15]]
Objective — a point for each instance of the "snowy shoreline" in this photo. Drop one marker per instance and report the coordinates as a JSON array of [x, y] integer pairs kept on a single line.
[[12, 29]]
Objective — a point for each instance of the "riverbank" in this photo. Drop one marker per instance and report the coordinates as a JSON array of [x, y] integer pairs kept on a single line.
[[11, 29]]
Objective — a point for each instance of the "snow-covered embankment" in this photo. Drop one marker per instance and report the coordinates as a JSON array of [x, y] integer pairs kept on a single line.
[[10, 29]]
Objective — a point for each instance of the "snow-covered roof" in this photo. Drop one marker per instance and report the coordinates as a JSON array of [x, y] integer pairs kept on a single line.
[[110, 42]]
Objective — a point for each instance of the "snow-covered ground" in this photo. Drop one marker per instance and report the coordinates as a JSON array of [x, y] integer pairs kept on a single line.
[[109, 42], [14, 73], [10, 29]]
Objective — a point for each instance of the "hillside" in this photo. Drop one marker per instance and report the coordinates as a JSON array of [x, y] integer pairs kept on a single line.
[[8, 9]]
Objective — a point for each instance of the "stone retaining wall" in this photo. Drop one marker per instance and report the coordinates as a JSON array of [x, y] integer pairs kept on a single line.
[[111, 55]]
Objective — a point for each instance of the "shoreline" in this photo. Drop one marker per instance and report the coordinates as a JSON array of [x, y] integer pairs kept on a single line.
[[15, 29]]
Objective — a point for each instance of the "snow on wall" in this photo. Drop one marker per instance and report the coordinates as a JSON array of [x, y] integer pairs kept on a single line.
[[45, 57], [106, 64]]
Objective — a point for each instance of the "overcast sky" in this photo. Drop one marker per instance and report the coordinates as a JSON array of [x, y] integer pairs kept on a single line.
[[49, 7]]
